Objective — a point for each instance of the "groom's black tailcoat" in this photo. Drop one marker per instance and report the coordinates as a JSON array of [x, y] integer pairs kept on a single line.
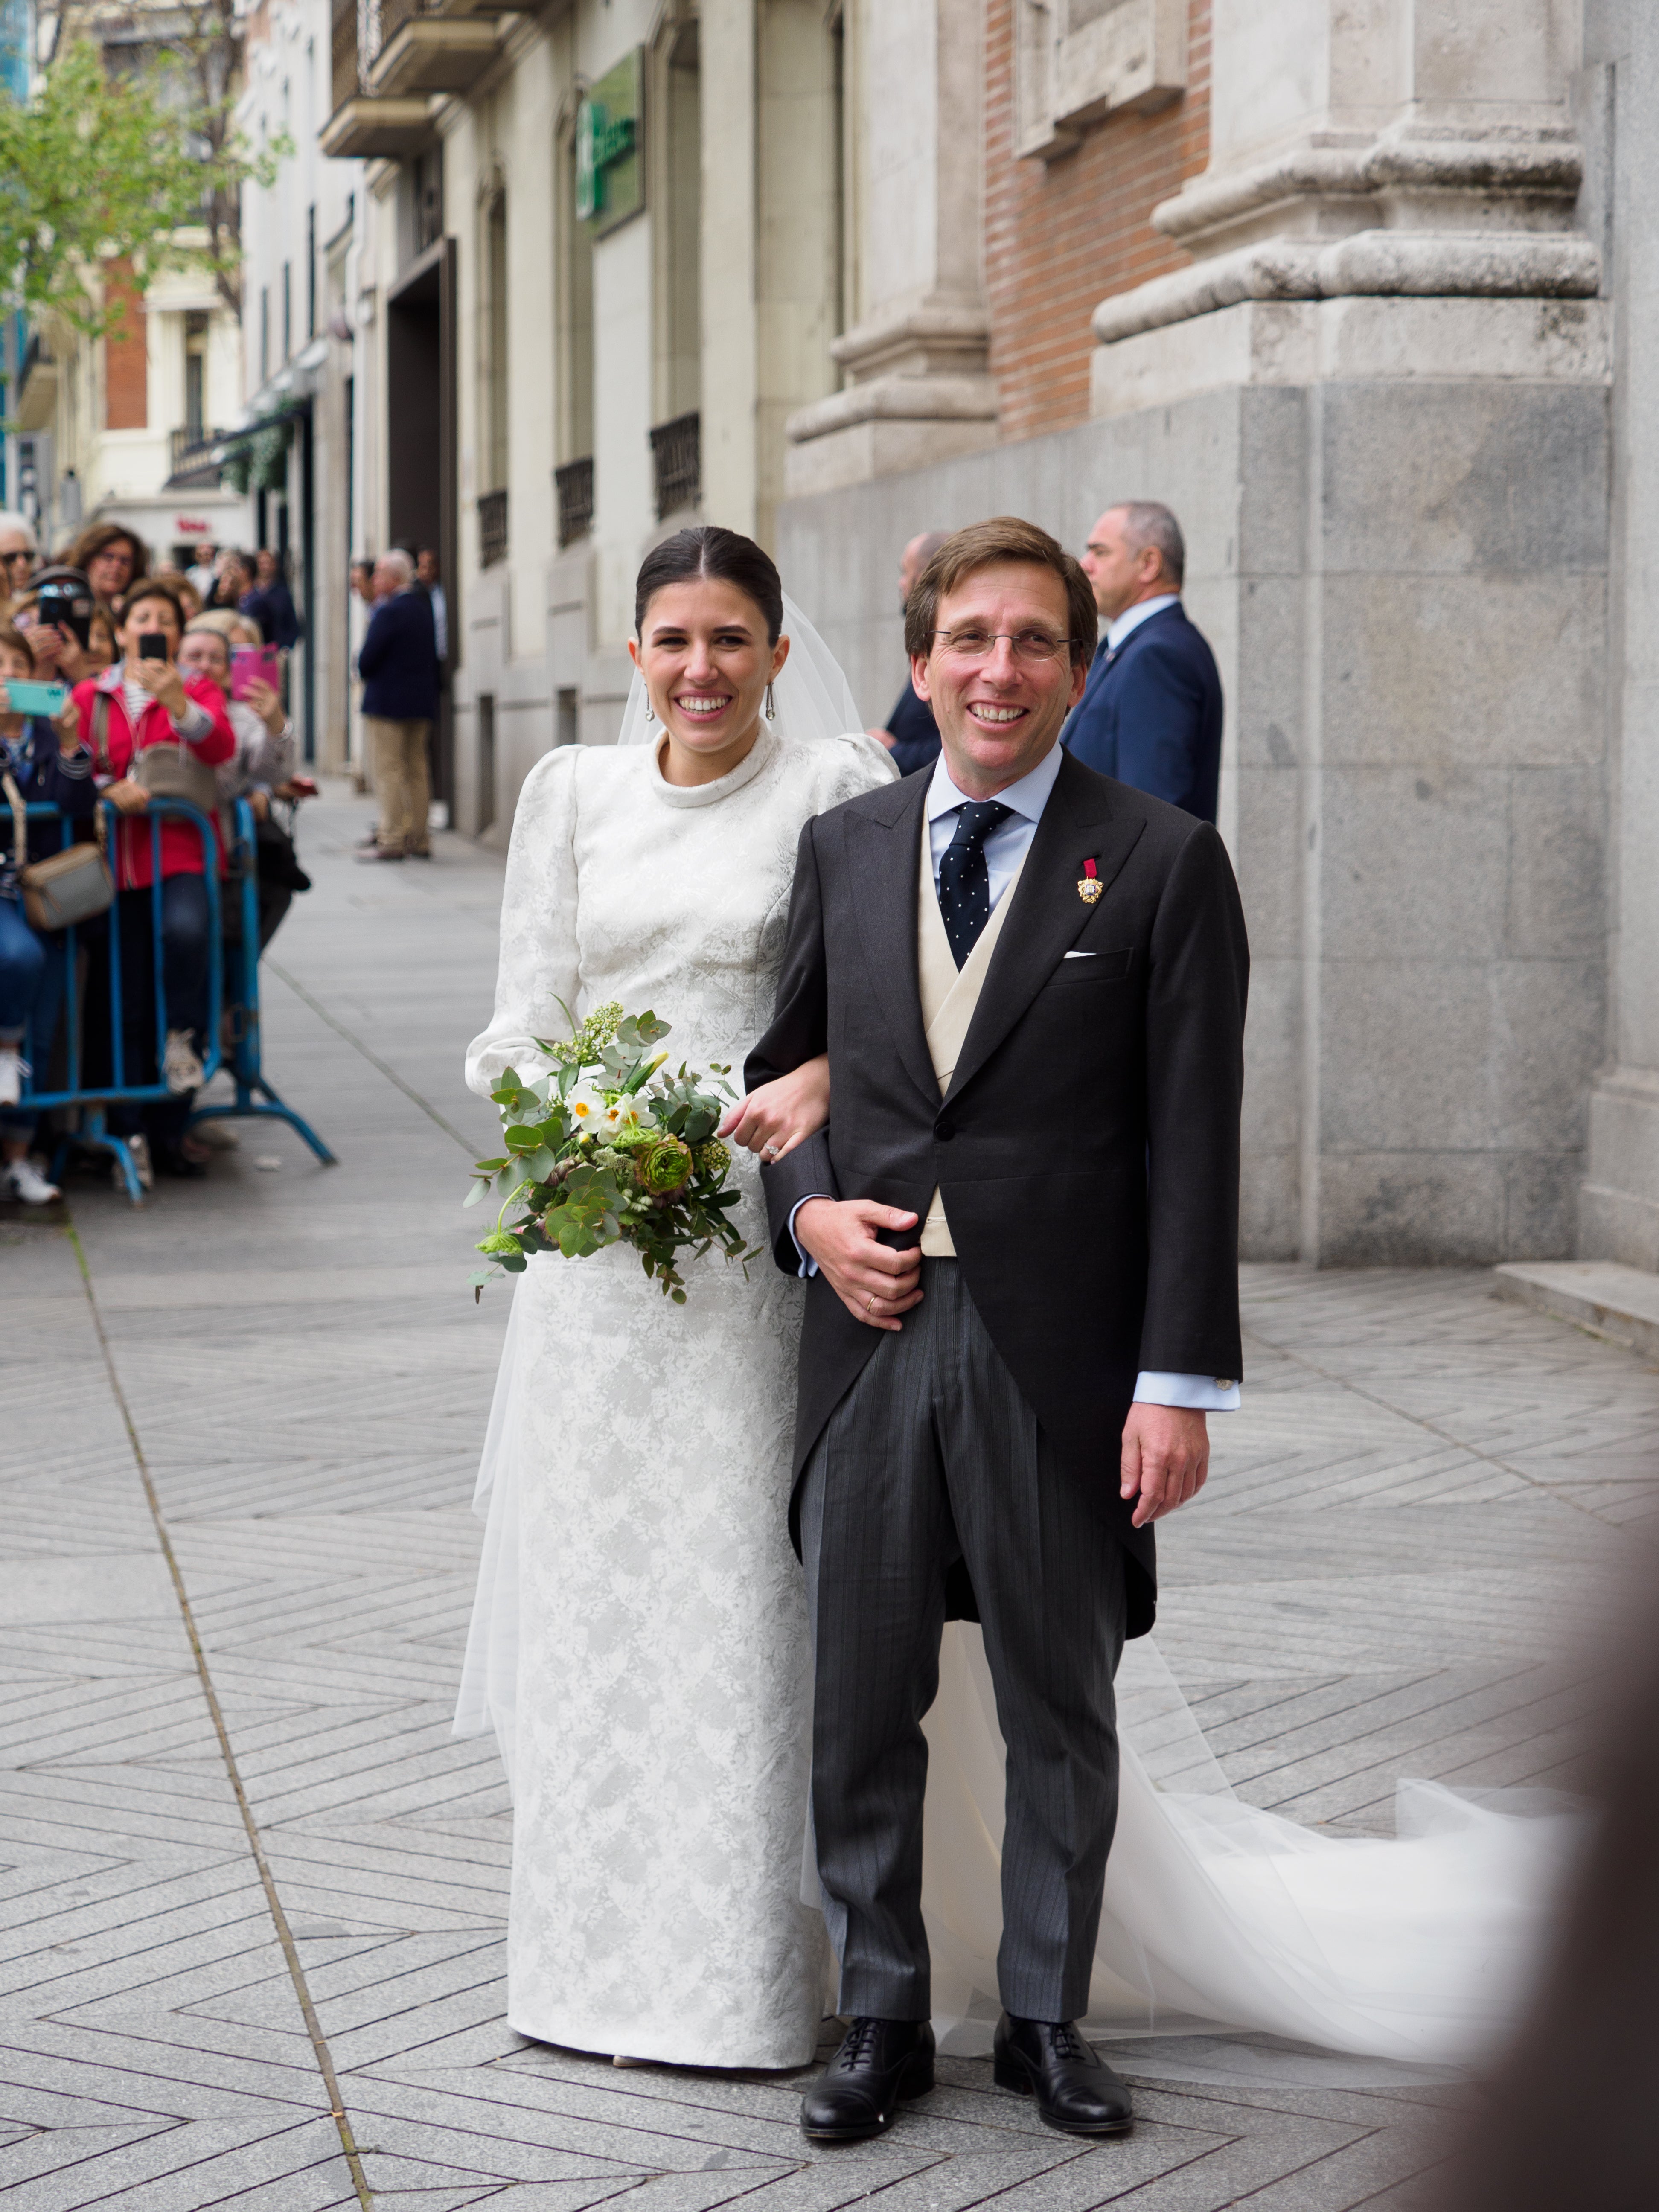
[[1088, 1148]]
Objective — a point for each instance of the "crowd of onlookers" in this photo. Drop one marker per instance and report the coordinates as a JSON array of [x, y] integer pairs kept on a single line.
[[128, 682]]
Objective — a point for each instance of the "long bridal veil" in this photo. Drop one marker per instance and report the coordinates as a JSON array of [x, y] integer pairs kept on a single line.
[[1418, 1947]]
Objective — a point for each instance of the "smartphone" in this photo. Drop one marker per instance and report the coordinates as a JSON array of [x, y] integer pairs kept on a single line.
[[152, 646], [254, 663], [28, 697], [64, 608]]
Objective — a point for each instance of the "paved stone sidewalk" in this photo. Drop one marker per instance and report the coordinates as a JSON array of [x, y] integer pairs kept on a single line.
[[244, 1870]]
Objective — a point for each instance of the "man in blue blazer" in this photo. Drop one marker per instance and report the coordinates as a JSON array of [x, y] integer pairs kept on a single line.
[[397, 661], [1150, 711]]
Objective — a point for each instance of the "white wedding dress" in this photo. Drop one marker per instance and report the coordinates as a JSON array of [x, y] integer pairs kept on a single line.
[[638, 1643]]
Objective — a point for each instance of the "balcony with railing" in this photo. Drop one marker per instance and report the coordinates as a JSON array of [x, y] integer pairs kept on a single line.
[[677, 461], [574, 484], [492, 528], [190, 463], [361, 125], [422, 50]]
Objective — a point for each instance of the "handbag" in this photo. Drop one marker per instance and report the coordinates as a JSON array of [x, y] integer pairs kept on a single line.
[[67, 887]]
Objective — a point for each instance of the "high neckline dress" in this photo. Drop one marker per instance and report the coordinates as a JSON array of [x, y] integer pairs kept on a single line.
[[639, 1641]]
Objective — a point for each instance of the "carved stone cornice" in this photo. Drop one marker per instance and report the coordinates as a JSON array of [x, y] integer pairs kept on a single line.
[[924, 364], [1523, 166], [1489, 264]]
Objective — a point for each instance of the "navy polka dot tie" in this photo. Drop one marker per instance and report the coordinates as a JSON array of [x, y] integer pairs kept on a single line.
[[964, 881]]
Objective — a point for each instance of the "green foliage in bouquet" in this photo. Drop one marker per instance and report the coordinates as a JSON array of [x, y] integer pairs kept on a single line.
[[611, 1148]]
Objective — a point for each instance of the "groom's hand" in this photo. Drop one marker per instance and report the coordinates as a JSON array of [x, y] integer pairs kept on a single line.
[[873, 1282], [1166, 1457]]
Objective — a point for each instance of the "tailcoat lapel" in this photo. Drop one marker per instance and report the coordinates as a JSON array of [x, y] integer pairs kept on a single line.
[[1047, 917], [885, 850]]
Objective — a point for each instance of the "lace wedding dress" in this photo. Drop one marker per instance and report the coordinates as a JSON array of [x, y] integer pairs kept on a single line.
[[638, 1643]]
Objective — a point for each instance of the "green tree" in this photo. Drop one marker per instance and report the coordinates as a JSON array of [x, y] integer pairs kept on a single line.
[[98, 169]]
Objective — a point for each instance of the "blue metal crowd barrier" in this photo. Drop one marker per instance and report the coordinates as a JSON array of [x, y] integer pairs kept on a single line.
[[235, 1010]]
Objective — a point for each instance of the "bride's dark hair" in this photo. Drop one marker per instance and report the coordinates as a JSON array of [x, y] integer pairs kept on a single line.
[[706, 549]]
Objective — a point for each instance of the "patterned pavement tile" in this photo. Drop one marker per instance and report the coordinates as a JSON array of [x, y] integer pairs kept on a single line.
[[1423, 1507]]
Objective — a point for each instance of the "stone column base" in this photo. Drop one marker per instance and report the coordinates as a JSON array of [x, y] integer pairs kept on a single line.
[[1619, 1201]]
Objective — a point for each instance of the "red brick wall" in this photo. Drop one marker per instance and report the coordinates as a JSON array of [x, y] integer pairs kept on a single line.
[[126, 363], [1060, 237]]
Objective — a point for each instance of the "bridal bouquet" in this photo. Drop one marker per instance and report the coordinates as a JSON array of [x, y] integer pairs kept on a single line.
[[611, 1148]]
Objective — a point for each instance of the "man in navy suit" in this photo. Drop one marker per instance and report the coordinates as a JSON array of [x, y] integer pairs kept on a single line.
[[911, 735], [1150, 711], [397, 661]]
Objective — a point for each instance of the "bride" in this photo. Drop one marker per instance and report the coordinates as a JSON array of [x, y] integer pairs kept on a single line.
[[639, 1641]]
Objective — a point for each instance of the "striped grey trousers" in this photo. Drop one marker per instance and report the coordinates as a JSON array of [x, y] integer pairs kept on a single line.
[[933, 1454]]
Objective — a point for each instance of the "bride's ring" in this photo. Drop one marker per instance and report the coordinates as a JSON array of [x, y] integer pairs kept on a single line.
[[768, 1151]]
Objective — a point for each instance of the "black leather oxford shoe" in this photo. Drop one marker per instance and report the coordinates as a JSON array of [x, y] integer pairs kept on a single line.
[[1076, 2091], [881, 2065]]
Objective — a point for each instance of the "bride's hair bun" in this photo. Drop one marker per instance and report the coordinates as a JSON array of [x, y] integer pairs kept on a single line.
[[706, 549]]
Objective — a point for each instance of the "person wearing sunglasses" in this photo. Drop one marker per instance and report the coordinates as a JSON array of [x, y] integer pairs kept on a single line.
[[18, 556]]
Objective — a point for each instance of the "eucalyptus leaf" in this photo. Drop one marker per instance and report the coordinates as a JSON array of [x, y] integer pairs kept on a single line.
[[475, 1192]]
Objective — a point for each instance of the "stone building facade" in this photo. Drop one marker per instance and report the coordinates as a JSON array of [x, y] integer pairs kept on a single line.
[[1355, 291]]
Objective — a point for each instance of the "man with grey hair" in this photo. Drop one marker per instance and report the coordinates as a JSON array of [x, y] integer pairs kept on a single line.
[[1151, 713], [399, 663], [912, 735]]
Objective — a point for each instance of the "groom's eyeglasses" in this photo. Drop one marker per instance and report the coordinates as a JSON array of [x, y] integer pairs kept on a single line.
[[1031, 646]]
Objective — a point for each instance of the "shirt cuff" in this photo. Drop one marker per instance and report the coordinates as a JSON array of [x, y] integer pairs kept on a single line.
[[1200, 1394], [194, 724], [809, 1266]]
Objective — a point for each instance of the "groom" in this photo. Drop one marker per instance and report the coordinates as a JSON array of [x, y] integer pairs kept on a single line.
[[1030, 984]]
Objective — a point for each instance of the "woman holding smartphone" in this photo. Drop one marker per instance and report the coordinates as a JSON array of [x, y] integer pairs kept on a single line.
[[144, 700], [48, 764]]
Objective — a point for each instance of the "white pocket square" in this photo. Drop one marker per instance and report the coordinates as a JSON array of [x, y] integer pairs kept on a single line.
[[1083, 956]]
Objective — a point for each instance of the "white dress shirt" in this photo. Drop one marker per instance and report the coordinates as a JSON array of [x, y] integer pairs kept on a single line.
[[1132, 617], [1004, 848]]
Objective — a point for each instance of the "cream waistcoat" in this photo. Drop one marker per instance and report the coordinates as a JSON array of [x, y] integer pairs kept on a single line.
[[949, 996]]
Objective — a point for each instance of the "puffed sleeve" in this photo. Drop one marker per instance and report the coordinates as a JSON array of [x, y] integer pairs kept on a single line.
[[849, 766], [538, 961]]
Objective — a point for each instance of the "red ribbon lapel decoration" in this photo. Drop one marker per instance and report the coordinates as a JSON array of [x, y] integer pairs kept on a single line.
[[1089, 887]]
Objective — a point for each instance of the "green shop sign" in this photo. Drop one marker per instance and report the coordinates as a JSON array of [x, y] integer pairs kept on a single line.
[[610, 158]]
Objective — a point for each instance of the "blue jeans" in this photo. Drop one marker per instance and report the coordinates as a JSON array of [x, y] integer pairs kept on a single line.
[[31, 997], [184, 990]]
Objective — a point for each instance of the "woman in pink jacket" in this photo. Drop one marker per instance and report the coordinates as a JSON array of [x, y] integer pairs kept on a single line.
[[144, 701]]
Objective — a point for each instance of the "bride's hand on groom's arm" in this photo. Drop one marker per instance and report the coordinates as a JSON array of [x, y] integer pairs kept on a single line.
[[773, 1120], [873, 1282], [1166, 1457]]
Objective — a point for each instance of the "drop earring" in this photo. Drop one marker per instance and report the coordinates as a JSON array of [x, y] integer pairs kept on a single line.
[[650, 714], [771, 704]]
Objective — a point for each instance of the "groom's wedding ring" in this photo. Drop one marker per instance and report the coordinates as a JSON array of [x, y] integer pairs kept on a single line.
[[869, 1303]]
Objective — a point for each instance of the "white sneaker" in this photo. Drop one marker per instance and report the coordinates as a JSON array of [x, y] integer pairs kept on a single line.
[[181, 1071], [12, 1068], [217, 1136], [25, 1180]]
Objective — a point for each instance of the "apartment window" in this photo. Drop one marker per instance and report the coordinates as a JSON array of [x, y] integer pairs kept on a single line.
[[265, 333], [196, 344], [495, 342], [484, 801], [311, 271], [575, 321], [288, 311], [674, 118]]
